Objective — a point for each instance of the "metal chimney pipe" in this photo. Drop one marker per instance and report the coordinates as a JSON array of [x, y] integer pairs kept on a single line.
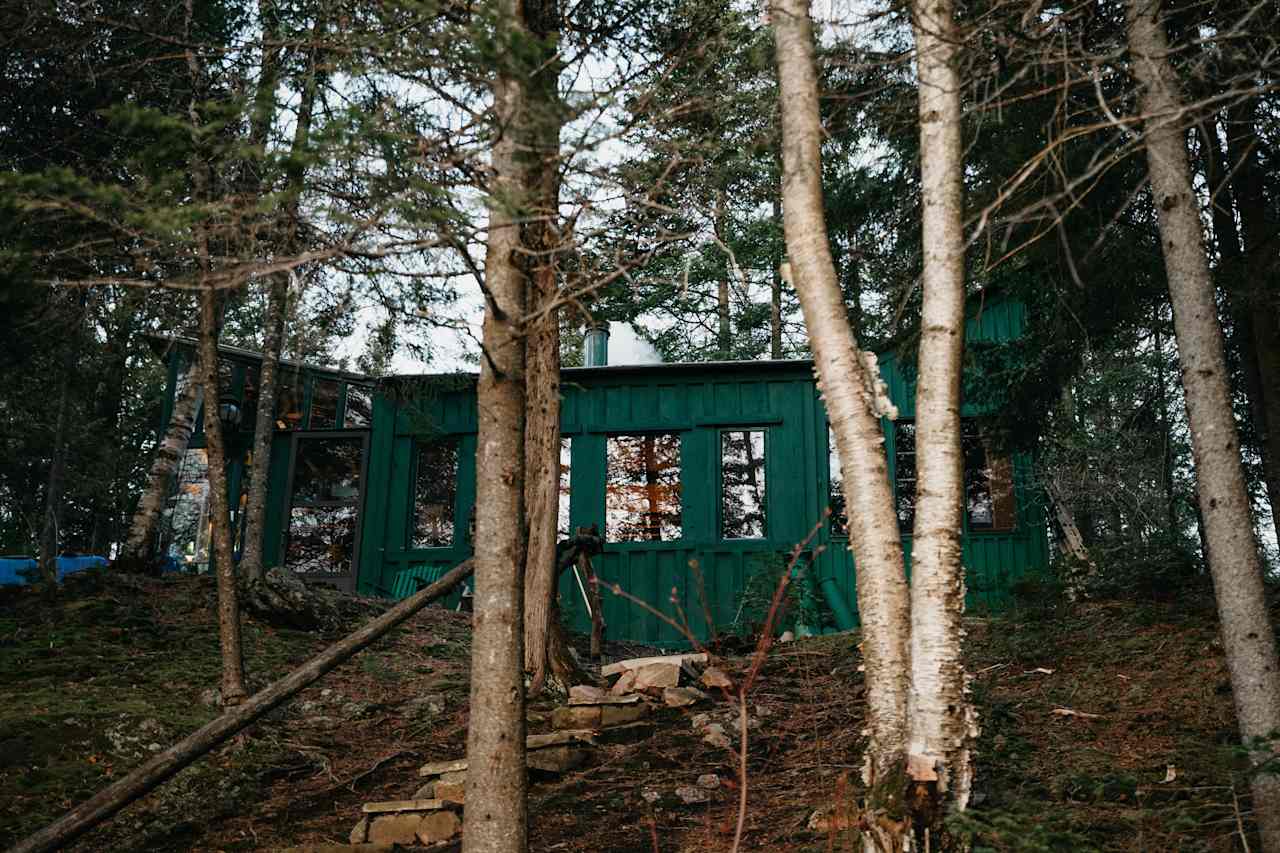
[[595, 344]]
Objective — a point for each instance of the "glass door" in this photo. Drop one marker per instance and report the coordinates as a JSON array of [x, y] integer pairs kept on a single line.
[[327, 484]]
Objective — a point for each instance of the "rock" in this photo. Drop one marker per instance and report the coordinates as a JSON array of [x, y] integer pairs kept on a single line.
[[555, 759], [576, 717], [437, 827], [532, 742], [621, 715], [454, 777], [211, 696], [650, 795], [701, 721], [657, 674], [681, 697], [453, 792], [715, 678], [280, 598], [431, 705], [691, 795], [360, 832], [787, 637], [715, 735], [438, 768], [586, 694], [640, 663], [709, 781], [339, 848], [426, 792], [625, 684], [395, 828], [630, 733], [393, 806]]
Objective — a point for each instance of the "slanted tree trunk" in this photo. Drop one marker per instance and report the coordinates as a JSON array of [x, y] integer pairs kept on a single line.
[[942, 722], [165, 765], [855, 400], [497, 812], [232, 685], [169, 453], [1247, 633]]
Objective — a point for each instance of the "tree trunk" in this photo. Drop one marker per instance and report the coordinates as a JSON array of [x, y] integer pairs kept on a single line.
[[545, 651], [167, 764], [942, 722], [1247, 634], [1257, 280], [169, 453], [51, 530], [497, 812], [233, 690], [775, 289], [264, 430], [855, 399]]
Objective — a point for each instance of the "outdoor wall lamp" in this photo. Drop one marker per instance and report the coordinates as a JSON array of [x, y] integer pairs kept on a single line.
[[229, 413]]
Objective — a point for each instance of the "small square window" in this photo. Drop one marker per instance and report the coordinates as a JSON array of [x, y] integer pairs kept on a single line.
[[742, 496]]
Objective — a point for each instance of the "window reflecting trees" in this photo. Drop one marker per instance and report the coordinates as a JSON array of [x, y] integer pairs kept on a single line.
[[642, 488]]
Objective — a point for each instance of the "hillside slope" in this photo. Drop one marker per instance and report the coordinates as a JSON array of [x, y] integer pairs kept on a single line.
[[115, 669]]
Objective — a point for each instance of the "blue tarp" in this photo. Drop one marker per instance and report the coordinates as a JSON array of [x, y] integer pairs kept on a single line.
[[17, 571]]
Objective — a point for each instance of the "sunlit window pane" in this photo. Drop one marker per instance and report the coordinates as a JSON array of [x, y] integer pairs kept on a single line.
[[642, 488], [359, 412], [904, 456], [742, 503], [321, 539], [434, 495], [562, 509], [835, 487]]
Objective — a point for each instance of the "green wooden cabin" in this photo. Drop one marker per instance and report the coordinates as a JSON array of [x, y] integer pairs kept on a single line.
[[725, 466]]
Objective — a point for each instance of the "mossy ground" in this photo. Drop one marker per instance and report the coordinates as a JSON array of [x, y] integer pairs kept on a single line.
[[110, 670]]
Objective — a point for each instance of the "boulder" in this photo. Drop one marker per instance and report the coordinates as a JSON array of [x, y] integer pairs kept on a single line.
[[556, 759], [437, 827], [716, 679], [399, 828]]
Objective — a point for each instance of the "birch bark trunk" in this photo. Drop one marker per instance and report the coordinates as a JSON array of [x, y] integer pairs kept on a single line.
[[855, 399], [942, 722], [169, 453], [1233, 555], [497, 813]]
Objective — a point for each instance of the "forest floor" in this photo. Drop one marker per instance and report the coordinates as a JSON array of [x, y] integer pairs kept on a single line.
[[113, 670]]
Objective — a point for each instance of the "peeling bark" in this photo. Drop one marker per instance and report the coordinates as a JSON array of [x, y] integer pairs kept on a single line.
[[1247, 634], [169, 453], [855, 401], [942, 722]]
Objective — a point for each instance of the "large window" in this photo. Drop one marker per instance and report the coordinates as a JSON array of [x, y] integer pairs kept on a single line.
[[434, 494], [742, 496], [988, 479], [642, 488]]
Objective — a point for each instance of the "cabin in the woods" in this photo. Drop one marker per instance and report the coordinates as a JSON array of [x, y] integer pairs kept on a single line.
[[722, 465]]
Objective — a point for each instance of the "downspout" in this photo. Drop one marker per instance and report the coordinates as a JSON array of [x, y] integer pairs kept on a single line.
[[844, 616]]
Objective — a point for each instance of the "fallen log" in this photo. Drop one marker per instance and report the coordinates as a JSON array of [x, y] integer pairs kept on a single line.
[[166, 764]]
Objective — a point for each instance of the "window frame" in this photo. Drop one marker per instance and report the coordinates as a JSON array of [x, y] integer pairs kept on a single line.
[[415, 450], [679, 436], [970, 427], [720, 483], [343, 580]]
